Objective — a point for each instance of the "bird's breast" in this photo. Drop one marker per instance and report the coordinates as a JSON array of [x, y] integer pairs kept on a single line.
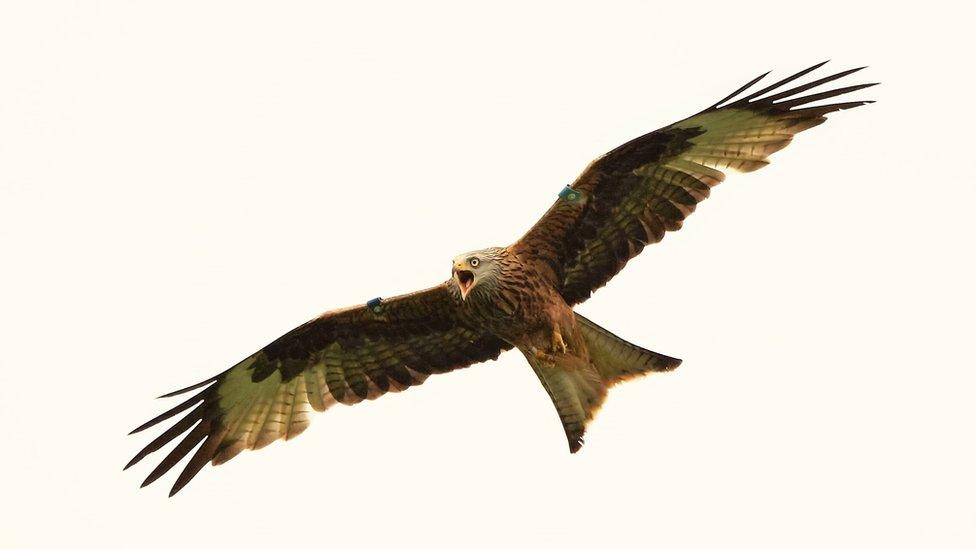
[[509, 311]]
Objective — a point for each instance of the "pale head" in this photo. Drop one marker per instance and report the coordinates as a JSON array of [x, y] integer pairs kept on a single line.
[[479, 268]]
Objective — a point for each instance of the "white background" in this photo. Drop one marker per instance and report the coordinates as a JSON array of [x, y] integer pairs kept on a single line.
[[181, 182]]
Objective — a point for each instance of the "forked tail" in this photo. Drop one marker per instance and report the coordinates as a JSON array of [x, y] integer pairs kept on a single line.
[[578, 388], [618, 360]]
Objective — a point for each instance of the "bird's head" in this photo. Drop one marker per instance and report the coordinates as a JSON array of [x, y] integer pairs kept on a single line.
[[478, 268]]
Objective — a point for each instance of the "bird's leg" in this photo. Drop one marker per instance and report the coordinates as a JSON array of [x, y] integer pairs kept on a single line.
[[557, 341], [543, 357], [547, 352]]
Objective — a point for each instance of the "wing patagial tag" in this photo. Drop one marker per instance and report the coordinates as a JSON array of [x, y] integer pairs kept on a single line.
[[375, 305], [570, 194]]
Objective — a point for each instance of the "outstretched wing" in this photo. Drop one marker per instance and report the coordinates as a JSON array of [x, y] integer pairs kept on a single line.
[[343, 356], [631, 196]]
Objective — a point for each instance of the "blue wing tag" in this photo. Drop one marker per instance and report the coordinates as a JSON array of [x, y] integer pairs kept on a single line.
[[570, 194], [375, 305]]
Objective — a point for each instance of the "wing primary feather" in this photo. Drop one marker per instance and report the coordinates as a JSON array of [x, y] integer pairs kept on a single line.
[[191, 387], [200, 458], [823, 95], [800, 89], [227, 449], [818, 111], [740, 90], [179, 452], [185, 405], [174, 431], [784, 81]]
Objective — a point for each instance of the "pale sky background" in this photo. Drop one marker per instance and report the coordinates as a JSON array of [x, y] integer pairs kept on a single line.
[[182, 182]]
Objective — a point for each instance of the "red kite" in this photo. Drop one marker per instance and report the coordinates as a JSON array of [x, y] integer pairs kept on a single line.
[[518, 296]]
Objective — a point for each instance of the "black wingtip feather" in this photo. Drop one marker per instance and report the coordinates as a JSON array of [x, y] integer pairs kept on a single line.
[[756, 99], [200, 458], [804, 87], [797, 101], [180, 451], [740, 90], [185, 405], [183, 425], [191, 387], [834, 107], [786, 100], [784, 81]]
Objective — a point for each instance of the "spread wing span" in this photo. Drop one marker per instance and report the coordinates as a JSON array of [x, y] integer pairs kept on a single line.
[[631, 196], [344, 356]]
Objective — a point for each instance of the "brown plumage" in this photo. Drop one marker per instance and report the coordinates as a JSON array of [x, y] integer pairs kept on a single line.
[[519, 296]]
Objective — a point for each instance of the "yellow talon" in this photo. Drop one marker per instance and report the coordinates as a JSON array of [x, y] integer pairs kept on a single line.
[[558, 343]]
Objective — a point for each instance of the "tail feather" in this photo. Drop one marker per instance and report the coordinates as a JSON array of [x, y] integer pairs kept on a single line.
[[578, 387], [576, 391], [618, 360]]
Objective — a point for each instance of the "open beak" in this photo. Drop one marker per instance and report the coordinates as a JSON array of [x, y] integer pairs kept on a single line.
[[465, 280]]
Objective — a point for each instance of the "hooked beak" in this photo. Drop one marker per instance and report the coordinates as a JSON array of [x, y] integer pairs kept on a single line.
[[465, 280]]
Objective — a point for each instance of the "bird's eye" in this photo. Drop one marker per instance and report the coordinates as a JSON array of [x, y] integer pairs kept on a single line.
[[474, 261]]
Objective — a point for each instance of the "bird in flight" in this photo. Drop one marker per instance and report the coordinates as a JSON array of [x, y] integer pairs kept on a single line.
[[520, 296]]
